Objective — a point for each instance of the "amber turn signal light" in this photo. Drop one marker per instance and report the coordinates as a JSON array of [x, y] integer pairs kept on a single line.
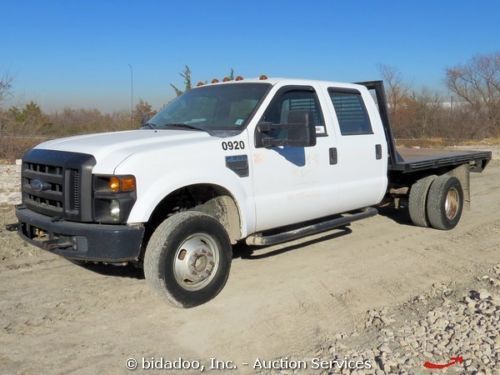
[[123, 183], [128, 183], [114, 184]]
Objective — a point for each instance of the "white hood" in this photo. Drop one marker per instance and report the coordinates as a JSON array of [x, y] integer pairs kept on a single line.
[[112, 148]]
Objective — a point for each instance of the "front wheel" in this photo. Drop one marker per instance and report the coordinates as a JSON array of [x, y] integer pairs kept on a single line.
[[188, 258]]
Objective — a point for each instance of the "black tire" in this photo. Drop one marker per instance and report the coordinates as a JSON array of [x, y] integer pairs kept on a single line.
[[417, 201], [445, 202], [171, 270]]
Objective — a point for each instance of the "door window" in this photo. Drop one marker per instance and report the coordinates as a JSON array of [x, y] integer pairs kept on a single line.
[[296, 106], [351, 112]]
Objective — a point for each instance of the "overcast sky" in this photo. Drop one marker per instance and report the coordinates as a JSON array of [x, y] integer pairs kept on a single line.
[[76, 53]]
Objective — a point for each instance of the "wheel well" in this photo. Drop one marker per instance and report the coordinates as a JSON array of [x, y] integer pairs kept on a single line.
[[211, 199]]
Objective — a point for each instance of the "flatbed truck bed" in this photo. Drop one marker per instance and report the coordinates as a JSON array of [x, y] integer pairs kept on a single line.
[[414, 159]]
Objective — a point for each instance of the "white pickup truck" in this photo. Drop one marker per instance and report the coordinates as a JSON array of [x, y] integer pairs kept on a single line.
[[261, 160]]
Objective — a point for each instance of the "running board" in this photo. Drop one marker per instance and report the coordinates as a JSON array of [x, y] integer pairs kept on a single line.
[[260, 239]]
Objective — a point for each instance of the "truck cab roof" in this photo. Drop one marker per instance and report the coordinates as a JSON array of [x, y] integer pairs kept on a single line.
[[289, 81]]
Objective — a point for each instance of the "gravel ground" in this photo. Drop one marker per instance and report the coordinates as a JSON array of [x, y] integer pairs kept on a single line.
[[10, 184], [450, 321], [446, 323]]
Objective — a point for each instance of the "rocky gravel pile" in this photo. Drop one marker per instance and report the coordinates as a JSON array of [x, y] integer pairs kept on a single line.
[[442, 327], [10, 184]]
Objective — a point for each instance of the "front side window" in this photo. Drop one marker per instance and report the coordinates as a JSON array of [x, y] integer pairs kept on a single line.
[[211, 108], [296, 106], [351, 112]]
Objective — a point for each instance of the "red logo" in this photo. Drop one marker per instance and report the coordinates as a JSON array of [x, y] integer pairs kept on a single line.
[[454, 360]]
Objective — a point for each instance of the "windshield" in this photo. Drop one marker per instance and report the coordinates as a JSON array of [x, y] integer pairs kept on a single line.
[[218, 107]]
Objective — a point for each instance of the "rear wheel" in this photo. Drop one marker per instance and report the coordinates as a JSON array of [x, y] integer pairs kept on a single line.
[[417, 201], [188, 258], [445, 202]]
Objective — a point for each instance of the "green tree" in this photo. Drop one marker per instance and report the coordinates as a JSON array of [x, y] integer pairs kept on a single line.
[[29, 120], [186, 74], [188, 84]]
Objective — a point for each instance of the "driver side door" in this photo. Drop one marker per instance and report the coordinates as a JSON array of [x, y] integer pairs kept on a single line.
[[287, 180]]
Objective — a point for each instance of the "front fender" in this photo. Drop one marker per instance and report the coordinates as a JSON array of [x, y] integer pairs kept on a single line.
[[150, 195]]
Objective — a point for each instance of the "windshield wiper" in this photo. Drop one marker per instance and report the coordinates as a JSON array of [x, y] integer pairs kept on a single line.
[[148, 125], [182, 125]]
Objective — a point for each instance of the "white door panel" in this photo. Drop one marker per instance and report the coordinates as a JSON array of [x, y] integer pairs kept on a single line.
[[362, 176], [290, 184]]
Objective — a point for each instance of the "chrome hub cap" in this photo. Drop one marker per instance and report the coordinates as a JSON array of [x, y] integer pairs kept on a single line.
[[451, 204], [196, 261]]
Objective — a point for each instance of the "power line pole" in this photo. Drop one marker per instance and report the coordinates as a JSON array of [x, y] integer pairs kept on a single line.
[[131, 94]]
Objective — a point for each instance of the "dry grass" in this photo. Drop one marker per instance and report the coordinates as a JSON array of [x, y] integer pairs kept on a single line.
[[13, 147], [444, 142]]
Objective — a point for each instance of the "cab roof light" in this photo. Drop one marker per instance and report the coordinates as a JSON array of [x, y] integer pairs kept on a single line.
[[263, 77], [201, 83], [239, 78], [215, 80], [226, 79]]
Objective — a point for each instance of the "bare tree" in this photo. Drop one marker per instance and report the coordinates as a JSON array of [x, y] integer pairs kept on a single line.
[[143, 112], [397, 92], [395, 88], [5, 91], [477, 83], [5, 86], [423, 114]]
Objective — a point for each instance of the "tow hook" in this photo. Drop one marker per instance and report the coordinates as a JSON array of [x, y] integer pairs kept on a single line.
[[14, 227]]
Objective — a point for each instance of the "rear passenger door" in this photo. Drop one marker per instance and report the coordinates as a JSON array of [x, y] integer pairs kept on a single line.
[[361, 173]]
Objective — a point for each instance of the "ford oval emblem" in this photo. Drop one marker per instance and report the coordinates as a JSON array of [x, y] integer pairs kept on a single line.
[[37, 185]]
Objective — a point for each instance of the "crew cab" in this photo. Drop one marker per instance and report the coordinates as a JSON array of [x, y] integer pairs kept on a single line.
[[259, 160]]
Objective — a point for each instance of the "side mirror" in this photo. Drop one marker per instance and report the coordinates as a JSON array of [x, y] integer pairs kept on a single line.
[[295, 134]]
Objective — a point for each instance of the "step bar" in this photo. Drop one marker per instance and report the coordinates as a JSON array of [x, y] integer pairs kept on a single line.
[[261, 239]]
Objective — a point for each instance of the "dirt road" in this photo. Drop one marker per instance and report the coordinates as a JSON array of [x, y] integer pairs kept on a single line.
[[57, 317]]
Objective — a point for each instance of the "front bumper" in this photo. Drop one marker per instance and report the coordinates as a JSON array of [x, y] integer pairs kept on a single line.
[[80, 241]]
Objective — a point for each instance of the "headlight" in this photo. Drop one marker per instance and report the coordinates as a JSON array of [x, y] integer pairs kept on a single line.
[[114, 209], [114, 197]]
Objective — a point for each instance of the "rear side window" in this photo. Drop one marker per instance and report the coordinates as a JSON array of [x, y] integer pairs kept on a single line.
[[351, 112]]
